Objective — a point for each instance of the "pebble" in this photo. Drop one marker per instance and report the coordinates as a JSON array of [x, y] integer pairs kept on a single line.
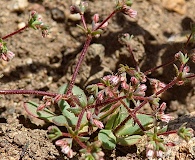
[[58, 15], [21, 25], [178, 6], [20, 5], [74, 17]]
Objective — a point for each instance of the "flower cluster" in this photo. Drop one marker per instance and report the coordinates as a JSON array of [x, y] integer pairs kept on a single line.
[[36, 22], [65, 147], [6, 55], [96, 23]]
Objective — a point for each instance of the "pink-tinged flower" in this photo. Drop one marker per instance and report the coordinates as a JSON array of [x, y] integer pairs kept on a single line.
[[98, 123], [156, 84], [124, 85], [33, 13], [96, 18], [140, 91], [162, 107], [61, 142], [128, 11], [7, 56], [150, 153], [134, 81], [143, 87], [159, 154], [100, 95], [65, 148], [165, 117], [89, 115], [114, 80]]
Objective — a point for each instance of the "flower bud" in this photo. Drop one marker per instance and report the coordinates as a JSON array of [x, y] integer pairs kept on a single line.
[[96, 18]]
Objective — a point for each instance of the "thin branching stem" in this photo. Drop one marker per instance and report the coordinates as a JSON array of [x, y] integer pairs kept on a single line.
[[105, 20], [81, 58], [16, 32], [169, 85], [80, 117], [79, 142], [167, 133], [83, 21], [33, 92], [133, 57], [163, 65]]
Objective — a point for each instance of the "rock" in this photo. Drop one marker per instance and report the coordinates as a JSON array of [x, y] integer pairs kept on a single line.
[[19, 5], [178, 6], [74, 17], [21, 25], [57, 15]]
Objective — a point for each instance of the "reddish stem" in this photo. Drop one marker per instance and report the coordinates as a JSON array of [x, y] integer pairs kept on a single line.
[[133, 57], [173, 82], [105, 20], [163, 65], [139, 107], [188, 40], [83, 21], [40, 93], [131, 115], [81, 58], [106, 102], [79, 142], [80, 119], [168, 132], [191, 76], [9, 35], [66, 134]]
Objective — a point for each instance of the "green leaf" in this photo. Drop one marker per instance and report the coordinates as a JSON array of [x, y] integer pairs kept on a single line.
[[67, 110], [76, 91], [60, 120], [130, 129], [113, 121], [54, 132], [107, 138], [128, 141], [31, 108]]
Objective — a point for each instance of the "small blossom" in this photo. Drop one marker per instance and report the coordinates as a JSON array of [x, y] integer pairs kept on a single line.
[[124, 85], [7, 56], [96, 18], [134, 81], [159, 154], [89, 115], [98, 123], [162, 107], [165, 117], [65, 147], [61, 142], [74, 9], [33, 13], [128, 11], [150, 150], [140, 91], [100, 95], [156, 84]]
